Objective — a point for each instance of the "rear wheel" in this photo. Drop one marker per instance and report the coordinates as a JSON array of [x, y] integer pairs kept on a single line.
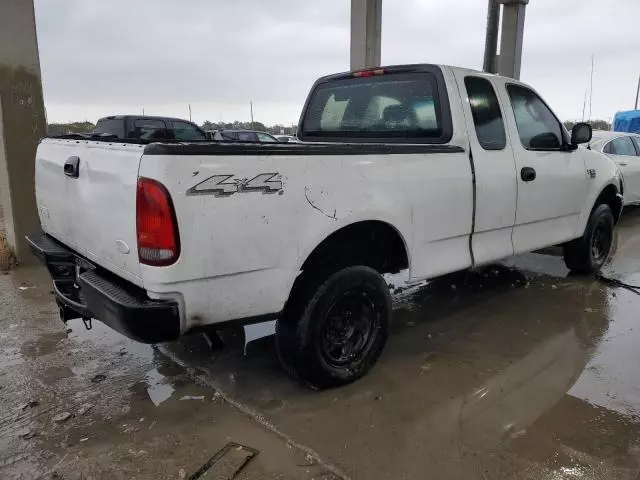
[[589, 253], [333, 334]]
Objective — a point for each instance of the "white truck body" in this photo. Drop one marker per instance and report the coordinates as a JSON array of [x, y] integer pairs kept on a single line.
[[250, 216]]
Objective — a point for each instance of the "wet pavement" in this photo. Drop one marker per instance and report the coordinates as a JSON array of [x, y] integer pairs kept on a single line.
[[515, 371]]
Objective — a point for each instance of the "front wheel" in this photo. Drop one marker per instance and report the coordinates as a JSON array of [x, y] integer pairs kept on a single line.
[[341, 329], [589, 253]]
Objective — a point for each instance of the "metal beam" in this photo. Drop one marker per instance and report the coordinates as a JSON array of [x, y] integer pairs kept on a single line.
[[366, 28], [512, 36], [22, 120]]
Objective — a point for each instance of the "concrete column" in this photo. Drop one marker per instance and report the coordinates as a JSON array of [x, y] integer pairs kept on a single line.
[[491, 37], [366, 27], [22, 121], [512, 34]]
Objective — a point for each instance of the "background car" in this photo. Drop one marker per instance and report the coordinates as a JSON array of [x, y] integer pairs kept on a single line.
[[624, 149], [244, 136]]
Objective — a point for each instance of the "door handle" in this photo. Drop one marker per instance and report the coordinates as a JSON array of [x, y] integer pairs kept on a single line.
[[72, 167], [527, 174], [622, 164]]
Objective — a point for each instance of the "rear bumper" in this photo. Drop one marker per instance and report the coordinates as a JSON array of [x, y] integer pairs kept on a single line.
[[83, 290]]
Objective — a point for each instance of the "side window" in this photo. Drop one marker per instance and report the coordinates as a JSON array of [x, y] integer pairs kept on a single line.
[[148, 129], [263, 137], [110, 126], [622, 146], [247, 137], [636, 140], [186, 131], [487, 116], [538, 127], [228, 136]]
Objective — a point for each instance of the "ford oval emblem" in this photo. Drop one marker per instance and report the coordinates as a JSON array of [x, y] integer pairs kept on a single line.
[[122, 247]]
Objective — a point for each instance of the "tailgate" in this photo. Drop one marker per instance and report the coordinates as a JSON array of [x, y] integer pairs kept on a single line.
[[91, 208]]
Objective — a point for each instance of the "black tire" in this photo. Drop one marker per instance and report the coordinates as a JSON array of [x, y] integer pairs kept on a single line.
[[588, 254], [332, 335]]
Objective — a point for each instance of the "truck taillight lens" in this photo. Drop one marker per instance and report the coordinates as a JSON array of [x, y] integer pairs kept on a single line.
[[158, 239]]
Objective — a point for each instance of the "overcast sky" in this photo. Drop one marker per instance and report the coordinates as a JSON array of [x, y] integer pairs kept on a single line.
[[120, 56]]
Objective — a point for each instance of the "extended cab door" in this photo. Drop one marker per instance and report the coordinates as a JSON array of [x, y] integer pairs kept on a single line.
[[494, 166], [551, 178]]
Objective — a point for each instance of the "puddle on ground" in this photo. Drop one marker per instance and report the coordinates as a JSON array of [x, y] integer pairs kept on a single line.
[[158, 388]]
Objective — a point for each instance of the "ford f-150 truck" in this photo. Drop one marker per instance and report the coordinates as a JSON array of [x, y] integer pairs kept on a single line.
[[428, 168]]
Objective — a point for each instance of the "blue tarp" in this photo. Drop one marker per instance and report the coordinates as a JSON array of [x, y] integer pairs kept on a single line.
[[627, 121]]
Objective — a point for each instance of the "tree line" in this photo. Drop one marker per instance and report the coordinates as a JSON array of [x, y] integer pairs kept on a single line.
[[595, 124]]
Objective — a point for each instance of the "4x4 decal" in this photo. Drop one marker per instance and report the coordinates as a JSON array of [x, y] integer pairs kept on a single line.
[[225, 185]]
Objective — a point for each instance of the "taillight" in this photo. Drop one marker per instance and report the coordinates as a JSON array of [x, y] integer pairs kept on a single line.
[[158, 238]]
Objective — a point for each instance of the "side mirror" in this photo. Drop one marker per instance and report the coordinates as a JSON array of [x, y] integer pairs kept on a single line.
[[581, 133]]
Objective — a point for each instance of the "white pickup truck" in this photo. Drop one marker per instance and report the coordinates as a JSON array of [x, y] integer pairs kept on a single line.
[[425, 167]]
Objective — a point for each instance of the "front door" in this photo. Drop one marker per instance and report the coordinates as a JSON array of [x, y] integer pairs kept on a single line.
[[551, 179]]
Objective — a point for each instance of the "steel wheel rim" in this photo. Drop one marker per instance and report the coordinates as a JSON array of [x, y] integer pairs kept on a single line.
[[349, 328], [600, 243]]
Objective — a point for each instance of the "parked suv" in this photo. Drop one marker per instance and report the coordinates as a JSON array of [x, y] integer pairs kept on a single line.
[[150, 128]]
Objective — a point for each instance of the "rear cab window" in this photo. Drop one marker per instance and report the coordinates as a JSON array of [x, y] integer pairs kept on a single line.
[[403, 105]]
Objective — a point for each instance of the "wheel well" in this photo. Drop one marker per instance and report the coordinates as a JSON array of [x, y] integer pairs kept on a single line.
[[374, 244], [609, 196]]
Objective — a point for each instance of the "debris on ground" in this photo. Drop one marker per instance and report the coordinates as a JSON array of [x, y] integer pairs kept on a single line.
[[182, 473], [30, 404], [62, 417], [25, 433], [84, 408], [98, 378], [191, 397], [589, 310]]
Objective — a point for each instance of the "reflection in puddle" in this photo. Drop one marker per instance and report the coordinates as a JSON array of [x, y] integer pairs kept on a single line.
[[157, 388], [606, 380]]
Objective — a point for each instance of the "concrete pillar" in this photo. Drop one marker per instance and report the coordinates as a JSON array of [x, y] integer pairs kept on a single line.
[[491, 37], [22, 121], [512, 34], [366, 27]]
